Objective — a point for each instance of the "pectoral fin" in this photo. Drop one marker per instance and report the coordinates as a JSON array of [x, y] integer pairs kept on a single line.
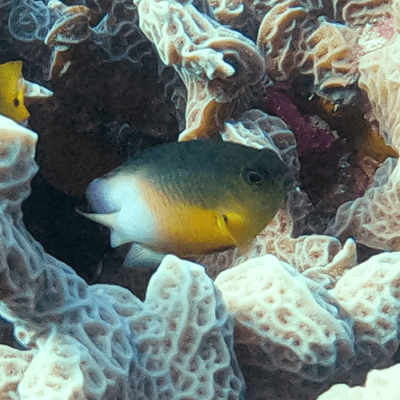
[[140, 255]]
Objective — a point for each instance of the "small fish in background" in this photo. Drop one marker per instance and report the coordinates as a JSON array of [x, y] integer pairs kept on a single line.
[[12, 89], [15, 92], [189, 198]]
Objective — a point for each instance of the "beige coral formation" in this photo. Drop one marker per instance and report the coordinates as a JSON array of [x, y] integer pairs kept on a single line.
[[295, 43], [370, 294], [13, 364], [297, 38], [379, 385], [330, 273], [360, 12], [374, 219], [53, 372], [306, 333], [216, 63], [295, 309], [281, 37], [380, 79], [329, 53], [285, 319]]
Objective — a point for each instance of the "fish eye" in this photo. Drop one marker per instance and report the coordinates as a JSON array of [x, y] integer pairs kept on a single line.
[[225, 219], [254, 177], [16, 102]]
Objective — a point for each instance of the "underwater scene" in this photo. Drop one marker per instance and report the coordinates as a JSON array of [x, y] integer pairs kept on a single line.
[[199, 200]]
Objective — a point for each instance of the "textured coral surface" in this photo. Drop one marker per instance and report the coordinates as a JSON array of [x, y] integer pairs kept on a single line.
[[310, 307]]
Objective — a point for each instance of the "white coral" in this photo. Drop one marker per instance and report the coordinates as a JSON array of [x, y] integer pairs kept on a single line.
[[370, 294], [286, 318], [380, 385]]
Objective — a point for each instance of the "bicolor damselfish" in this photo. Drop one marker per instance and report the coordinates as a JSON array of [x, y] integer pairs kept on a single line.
[[190, 198]]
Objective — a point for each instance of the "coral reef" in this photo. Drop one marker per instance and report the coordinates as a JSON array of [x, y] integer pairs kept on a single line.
[[285, 326], [291, 326], [101, 341], [373, 218], [312, 304]]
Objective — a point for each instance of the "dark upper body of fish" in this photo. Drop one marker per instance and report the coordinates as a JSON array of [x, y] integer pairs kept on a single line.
[[190, 198]]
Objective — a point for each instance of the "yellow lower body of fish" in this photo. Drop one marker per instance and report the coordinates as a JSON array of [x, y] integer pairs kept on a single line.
[[184, 229], [189, 230]]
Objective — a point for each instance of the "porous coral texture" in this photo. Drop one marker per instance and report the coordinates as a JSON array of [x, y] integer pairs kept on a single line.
[[360, 12], [286, 326], [13, 364], [380, 78], [329, 274], [204, 115], [55, 371], [373, 219], [380, 385], [329, 55], [216, 63], [186, 38], [227, 11], [244, 16], [112, 25], [303, 252], [16, 163], [101, 342], [294, 41], [281, 36], [370, 294]]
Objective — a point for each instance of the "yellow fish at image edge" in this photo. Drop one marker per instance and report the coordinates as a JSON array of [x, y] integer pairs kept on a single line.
[[12, 92], [190, 198]]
